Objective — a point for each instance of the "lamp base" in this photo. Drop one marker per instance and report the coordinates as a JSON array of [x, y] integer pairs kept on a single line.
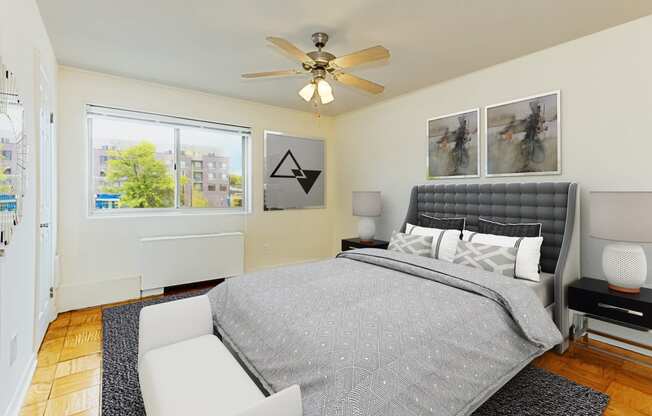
[[625, 267], [366, 229], [625, 289]]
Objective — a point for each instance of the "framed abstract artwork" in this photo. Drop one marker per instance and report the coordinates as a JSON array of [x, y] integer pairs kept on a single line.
[[294, 172], [523, 137], [453, 149]]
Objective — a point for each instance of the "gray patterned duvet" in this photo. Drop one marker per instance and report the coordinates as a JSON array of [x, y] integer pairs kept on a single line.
[[374, 332]]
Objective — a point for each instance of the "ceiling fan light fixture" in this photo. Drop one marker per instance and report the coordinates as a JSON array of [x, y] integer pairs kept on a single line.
[[321, 65], [325, 91], [308, 91]]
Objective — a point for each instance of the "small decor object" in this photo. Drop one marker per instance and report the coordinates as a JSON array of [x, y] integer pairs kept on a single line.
[[523, 137], [294, 172], [367, 205], [622, 216], [13, 156], [453, 149]]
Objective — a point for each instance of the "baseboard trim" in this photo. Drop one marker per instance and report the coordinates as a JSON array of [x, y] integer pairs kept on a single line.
[[293, 263], [71, 297], [19, 395]]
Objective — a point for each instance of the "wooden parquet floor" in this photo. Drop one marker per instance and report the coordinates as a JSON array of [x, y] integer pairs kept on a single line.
[[68, 377]]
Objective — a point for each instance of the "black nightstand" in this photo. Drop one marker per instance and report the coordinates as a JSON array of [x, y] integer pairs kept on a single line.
[[591, 298], [353, 243]]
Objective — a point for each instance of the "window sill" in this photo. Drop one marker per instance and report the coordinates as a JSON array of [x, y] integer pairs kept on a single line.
[[172, 212]]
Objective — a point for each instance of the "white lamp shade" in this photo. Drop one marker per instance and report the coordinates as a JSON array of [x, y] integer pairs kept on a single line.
[[621, 216], [325, 91], [308, 91], [367, 204]]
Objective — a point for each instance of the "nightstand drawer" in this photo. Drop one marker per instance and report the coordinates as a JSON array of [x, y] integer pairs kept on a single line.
[[617, 307], [353, 243]]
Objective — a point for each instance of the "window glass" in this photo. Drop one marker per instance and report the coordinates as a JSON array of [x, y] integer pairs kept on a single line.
[[143, 161], [204, 149], [130, 164]]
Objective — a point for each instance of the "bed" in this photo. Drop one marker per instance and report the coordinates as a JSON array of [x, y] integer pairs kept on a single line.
[[553, 204], [376, 332]]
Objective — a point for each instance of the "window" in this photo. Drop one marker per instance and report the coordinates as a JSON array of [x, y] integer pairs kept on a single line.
[[145, 161]]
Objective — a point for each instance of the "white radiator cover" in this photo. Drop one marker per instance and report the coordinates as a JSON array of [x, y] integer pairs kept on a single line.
[[175, 260]]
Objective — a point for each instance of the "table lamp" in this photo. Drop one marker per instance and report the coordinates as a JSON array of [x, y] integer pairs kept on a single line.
[[366, 205], [623, 216]]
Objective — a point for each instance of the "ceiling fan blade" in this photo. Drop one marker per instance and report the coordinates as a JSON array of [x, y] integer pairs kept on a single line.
[[295, 52], [358, 82], [283, 73], [375, 53]]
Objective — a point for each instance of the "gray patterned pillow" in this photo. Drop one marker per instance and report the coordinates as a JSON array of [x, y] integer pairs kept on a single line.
[[501, 260], [420, 245]]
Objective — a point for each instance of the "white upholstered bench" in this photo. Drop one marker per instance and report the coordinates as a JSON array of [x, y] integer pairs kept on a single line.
[[185, 370]]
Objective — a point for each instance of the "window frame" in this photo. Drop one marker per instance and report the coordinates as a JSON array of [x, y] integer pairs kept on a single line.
[[177, 123]]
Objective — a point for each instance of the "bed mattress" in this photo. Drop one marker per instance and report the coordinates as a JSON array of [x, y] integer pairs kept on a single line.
[[544, 289]]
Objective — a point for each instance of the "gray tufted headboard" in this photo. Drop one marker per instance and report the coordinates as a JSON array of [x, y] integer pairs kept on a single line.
[[552, 203]]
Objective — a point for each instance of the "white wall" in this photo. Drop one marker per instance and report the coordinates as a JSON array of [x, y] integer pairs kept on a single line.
[[606, 85], [99, 256], [606, 94], [24, 46]]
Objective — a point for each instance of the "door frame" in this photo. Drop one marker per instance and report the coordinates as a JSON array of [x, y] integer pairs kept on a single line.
[[43, 85]]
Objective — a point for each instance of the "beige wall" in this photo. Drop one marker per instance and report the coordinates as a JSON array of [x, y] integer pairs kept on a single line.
[[606, 99], [99, 256]]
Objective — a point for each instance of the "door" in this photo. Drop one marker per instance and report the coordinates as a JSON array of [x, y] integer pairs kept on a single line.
[[45, 268]]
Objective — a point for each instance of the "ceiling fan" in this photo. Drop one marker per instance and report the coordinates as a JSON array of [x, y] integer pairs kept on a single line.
[[321, 64]]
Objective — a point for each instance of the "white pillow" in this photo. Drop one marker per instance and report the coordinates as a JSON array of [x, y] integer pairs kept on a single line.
[[444, 242], [527, 256]]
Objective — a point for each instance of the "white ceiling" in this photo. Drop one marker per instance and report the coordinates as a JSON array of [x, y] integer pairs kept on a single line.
[[206, 44]]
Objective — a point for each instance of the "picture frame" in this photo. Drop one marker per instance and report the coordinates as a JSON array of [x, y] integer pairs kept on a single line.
[[450, 152], [294, 172], [537, 150]]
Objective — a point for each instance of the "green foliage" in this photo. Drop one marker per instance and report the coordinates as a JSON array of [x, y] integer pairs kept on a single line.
[[141, 180], [235, 181], [198, 199]]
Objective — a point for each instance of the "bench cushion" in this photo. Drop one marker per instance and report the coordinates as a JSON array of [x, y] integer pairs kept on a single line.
[[195, 377]]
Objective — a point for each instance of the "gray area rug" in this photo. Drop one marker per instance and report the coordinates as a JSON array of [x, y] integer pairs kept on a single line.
[[532, 392]]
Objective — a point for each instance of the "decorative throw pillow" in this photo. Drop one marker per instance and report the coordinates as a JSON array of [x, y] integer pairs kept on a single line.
[[429, 221], [497, 259], [528, 251], [444, 242], [420, 245], [486, 226]]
